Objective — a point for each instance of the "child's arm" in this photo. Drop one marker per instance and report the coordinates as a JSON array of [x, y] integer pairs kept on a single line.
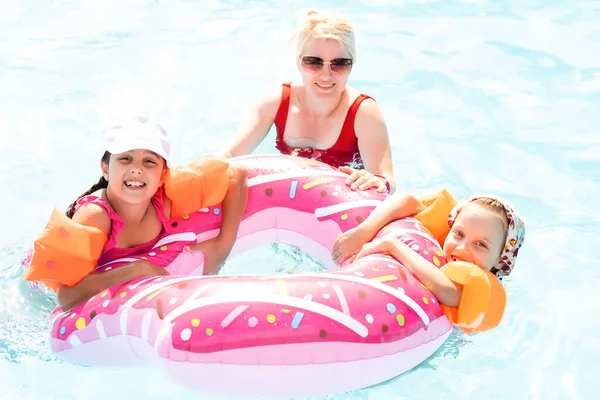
[[71, 296], [397, 206], [429, 275], [217, 250], [234, 205]]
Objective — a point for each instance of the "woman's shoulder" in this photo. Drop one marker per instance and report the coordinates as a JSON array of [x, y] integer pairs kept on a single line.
[[368, 116], [353, 94], [268, 104]]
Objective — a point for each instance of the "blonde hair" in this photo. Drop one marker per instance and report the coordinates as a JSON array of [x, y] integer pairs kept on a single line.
[[497, 208], [319, 25]]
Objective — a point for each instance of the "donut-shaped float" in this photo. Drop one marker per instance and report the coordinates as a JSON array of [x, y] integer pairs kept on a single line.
[[268, 336]]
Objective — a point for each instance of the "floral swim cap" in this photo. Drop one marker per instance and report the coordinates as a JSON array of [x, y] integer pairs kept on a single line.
[[514, 237]]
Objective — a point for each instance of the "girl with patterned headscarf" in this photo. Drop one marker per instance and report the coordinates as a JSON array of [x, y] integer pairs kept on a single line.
[[484, 230]]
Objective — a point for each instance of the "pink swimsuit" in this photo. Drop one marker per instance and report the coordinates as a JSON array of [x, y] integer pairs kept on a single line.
[[111, 252]]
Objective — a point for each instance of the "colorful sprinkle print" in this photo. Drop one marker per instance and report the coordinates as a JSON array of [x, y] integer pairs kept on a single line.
[[374, 302]]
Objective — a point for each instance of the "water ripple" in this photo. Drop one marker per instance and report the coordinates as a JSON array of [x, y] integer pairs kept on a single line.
[[497, 96]]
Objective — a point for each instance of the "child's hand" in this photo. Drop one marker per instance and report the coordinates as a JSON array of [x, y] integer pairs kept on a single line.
[[348, 244], [215, 250], [360, 179], [376, 246]]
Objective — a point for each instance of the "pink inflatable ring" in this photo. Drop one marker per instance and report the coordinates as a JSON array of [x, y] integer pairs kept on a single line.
[[268, 336]]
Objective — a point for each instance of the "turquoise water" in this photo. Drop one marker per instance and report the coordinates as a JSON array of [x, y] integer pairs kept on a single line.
[[499, 96]]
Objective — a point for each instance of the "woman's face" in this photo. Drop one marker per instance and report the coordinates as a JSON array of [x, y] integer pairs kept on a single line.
[[325, 67]]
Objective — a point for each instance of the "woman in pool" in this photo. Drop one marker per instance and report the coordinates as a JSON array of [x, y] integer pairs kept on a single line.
[[323, 118]]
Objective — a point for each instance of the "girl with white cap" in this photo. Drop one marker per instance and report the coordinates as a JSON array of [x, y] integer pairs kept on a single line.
[[129, 206]]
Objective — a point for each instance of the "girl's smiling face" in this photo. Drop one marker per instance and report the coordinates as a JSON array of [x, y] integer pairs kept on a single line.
[[134, 176], [477, 236]]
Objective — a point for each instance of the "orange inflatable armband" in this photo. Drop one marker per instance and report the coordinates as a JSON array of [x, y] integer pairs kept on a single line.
[[482, 301], [65, 252], [202, 183], [435, 215]]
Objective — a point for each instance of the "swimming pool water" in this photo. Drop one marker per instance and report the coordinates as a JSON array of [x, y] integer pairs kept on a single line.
[[498, 96]]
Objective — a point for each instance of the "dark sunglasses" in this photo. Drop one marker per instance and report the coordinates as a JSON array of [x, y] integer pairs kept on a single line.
[[316, 64]]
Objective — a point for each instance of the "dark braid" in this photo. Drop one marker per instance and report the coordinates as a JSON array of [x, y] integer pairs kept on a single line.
[[101, 184], [497, 272]]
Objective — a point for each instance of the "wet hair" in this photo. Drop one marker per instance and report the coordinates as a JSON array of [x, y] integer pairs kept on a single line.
[[319, 25], [497, 208], [101, 184]]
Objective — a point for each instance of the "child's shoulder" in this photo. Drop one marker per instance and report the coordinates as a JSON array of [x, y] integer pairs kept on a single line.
[[92, 213]]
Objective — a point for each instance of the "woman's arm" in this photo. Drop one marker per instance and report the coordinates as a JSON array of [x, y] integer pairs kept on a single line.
[[71, 296], [373, 141], [397, 206], [257, 124]]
